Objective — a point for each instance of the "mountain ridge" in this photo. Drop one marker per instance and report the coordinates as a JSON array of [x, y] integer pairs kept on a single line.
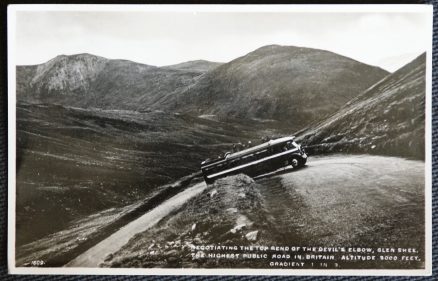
[[270, 83], [195, 65], [273, 81]]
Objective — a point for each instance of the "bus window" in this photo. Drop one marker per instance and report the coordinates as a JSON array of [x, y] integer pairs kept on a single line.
[[278, 148]]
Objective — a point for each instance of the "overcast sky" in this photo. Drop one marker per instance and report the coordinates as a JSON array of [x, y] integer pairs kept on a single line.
[[388, 40]]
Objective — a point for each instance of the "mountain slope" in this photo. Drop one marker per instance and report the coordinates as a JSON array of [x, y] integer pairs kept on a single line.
[[72, 162], [292, 84], [388, 118], [277, 82], [86, 80], [196, 65], [63, 74]]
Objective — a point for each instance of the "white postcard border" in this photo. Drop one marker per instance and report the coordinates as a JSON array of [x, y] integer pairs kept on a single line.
[[387, 8]]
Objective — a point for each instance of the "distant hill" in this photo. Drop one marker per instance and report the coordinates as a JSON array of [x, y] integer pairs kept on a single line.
[[293, 85], [196, 65], [86, 80], [388, 118], [62, 75]]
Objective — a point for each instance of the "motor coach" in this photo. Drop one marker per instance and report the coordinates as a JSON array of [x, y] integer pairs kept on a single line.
[[257, 160]]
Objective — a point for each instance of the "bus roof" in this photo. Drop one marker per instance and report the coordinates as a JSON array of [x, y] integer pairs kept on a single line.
[[253, 149], [260, 147]]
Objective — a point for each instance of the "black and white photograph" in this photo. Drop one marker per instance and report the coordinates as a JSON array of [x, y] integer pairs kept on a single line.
[[219, 139]]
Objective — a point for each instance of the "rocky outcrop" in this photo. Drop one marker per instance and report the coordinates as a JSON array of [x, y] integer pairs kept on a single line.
[[222, 219]]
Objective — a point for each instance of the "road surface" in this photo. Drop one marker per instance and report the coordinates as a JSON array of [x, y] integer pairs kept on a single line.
[[97, 254], [349, 200]]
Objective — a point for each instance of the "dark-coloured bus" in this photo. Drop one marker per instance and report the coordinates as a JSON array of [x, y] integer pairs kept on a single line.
[[257, 160]]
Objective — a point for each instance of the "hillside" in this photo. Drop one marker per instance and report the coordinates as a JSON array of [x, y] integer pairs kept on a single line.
[[88, 81], [196, 65], [72, 162], [388, 118], [293, 84], [62, 75]]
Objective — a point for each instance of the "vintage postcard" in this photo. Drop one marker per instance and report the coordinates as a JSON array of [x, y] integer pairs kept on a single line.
[[220, 139]]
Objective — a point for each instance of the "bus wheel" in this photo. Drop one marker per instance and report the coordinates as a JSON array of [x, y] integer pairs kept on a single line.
[[296, 163], [208, 181]]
